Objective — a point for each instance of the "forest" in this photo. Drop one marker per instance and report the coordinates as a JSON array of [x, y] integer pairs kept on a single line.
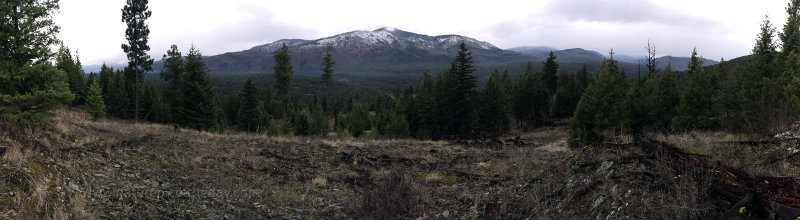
[[759, 95]]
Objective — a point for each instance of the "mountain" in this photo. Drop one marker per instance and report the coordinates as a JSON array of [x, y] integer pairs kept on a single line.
[[385, 51], [539, 51], [574, 55]]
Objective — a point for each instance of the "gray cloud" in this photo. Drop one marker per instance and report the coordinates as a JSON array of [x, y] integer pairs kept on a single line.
[[623, 11], [260, 28], [623, 25]]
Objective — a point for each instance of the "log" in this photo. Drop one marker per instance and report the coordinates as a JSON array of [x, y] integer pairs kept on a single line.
[[765, 196]]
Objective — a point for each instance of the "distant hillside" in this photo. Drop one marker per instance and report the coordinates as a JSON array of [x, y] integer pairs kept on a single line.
[[385, 51], [631, 63]]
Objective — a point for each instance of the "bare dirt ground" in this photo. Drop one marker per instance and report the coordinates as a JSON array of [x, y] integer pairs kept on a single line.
[[82, 169]]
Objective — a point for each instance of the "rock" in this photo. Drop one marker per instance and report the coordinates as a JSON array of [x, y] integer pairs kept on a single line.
[[117, 166], [792, 150], [787, 135], [73, 186], [99, 175], [445, 213]]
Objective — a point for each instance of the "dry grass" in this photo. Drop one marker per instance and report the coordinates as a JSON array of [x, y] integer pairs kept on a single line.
[[320, 181], [145, 171]]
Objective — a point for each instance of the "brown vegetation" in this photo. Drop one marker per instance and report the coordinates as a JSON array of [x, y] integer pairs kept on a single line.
[[82, 169]]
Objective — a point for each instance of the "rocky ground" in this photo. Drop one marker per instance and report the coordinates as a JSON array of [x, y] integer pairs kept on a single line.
[[77, 168]]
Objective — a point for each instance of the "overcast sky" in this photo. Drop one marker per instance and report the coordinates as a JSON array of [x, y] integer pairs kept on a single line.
[[718, 28]]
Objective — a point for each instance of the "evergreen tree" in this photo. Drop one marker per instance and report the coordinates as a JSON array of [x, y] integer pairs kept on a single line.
[[525, 89], [118, 100], [601, 107], [106, 73], [302, 123], [248, 114], [153, 108], [283, 73], [664, 99], [198, 107], [172, 73], [327, 69], [423, 114], [134, 15], [460, 95], [29, 86], [94, 100], [358, 120], [791, 30], [318, 120], [549, 71], [493, 110], [75, 74], [92, 79], [695, 106], [28, 32]]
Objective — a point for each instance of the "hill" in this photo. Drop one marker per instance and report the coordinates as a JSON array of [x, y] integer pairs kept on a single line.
[[385, 51]]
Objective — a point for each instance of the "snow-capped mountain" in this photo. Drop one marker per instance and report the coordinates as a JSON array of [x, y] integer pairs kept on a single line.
[[386, 51]]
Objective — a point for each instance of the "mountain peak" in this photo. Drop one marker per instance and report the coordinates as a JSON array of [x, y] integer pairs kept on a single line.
[[388, 29]]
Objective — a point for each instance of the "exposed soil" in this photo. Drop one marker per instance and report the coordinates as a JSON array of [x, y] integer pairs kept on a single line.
[[78, 168]]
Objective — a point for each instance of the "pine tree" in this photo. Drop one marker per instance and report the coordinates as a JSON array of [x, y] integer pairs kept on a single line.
[[134, 15], [302, 123], [106, 73], [75, 74], [460, 96], [283, 73], [172, 73], [664, 99], [696, 105], [118, 101], [358, 120], [327, 69], [94, 100], [549, 71], [248, 113], [493, 112], [198, 107], [29, 86], [601, 107]]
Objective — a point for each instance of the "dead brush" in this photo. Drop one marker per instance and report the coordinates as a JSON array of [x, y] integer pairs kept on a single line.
[[392, 197]]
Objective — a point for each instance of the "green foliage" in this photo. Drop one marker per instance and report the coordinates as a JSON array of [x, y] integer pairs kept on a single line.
[[153, 107], [32, 92], [198, 106], [106, 74], [29, 86], [357, 120], [459, 94], [548, 76], [75, 74], [27, 32], [530, 99], [601, 107], [94, 101], [663, 100], [397, 127], [172, 73], [493, 109], [570, 88], [302, 123], [695, 109], [283, 74], [327, 69], [118, 101], [134, 14], [248, 113]]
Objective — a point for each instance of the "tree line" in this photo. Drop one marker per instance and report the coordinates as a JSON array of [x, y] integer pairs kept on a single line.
[[756, 96]]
